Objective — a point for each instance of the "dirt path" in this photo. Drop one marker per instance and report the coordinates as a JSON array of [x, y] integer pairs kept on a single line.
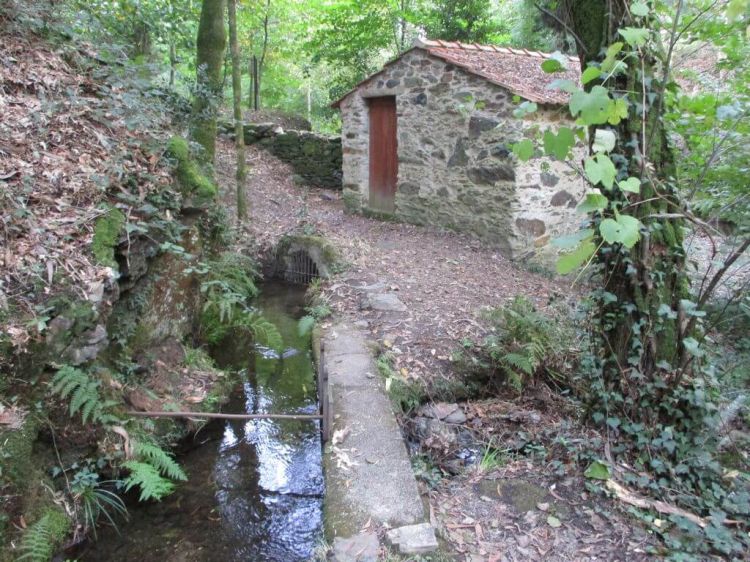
[[520, 509], [443, 278]]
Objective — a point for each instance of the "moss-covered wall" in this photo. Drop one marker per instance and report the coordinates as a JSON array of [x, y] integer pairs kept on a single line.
[[315, 158]]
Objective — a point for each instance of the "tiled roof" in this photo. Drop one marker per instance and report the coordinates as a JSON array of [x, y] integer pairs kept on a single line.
[[516, 70]]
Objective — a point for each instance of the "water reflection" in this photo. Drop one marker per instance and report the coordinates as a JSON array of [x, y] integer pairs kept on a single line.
[[255, 492]]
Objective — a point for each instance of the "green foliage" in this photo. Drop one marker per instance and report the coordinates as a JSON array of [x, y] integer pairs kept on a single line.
[[106, 234], [526, 344], [159, 459], [145, 476], [42, 538], [405, 395], [94, 500], [192, 181], [83, 393], [468, 21], [227, 290], [491, 458], [153, 471]]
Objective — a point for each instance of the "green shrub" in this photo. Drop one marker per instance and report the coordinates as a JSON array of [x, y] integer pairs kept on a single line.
[[527, 345]]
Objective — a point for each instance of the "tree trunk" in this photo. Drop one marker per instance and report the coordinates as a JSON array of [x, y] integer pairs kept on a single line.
[[641, 339], [172, 62], [258, 68], [209, 61], [237, 99]]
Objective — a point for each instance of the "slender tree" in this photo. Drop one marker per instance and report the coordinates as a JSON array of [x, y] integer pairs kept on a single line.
[[644, 310], [237, 103], [209, 60]]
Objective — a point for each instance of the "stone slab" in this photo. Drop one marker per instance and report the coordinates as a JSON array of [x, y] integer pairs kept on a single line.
[[413, 539], [385, 302], [359, 548], [368, 475]]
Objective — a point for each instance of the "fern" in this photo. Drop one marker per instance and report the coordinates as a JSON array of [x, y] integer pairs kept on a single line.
[[526, 343], [40, 540], [83, 392], [152, 484], [265, 332], [160, 459]]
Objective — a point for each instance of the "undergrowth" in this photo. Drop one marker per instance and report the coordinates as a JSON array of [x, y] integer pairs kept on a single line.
[[227, 288]]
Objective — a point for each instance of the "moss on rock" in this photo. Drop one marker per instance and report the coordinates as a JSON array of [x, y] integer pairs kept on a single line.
[[106, 233], [192, 180]]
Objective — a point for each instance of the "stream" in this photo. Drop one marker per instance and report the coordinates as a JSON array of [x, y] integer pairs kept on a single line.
[[255, 489]]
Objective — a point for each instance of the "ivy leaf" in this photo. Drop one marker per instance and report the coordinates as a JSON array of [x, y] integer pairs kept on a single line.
[[693, 347], [593, 106], [564, 84], [666, 311], [591, 73], [635, 36], [600, 169], [691, 308], [576, 258], [593, 202], [526, 108], [604, 141], [558, 145], [610, 60], [639, 9], [523, 149], [618, 110], [597, 470], [556, 63], [624, 230], [632, 185], [571, 240]]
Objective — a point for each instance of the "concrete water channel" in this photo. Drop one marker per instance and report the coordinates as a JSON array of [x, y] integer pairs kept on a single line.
[[264, 489], [255, 488]]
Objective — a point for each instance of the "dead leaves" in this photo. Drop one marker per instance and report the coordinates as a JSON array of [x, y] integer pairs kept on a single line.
[[57, 158]]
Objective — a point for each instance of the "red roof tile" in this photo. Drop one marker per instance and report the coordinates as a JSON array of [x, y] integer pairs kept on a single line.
[[517, 70]]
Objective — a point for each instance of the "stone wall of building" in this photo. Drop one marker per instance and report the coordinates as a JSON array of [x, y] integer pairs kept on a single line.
[[455, 165], [315, 158]]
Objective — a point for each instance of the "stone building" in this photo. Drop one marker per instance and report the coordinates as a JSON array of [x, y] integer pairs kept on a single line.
[[427, 140]]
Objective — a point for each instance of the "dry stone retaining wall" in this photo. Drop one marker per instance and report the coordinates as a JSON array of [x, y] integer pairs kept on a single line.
[[315, 158], [455, 164]]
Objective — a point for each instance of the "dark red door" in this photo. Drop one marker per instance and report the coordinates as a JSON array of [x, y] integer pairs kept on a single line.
[[383, 153]]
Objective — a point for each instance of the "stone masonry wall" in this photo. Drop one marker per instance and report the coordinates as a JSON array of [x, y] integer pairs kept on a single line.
[[315, 158], [456, 168]]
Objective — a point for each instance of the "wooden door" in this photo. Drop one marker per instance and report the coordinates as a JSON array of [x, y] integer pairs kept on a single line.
[[383, 153]]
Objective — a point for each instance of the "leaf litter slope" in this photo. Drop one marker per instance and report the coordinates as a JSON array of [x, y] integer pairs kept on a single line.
[[67, 146]]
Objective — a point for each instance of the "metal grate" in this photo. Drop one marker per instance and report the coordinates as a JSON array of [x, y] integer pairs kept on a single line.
[[302, 269]]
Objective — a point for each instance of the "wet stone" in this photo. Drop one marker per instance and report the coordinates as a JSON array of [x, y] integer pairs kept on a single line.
[[359, 548], [413, 539]]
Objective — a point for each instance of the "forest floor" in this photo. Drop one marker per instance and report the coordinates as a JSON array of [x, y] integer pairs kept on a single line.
[[521, 506]]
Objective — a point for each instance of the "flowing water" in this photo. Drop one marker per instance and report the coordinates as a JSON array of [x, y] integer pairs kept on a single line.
[[256, 487]]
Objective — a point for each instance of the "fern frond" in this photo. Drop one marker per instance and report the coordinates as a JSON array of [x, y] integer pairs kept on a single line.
[[520, 362], [266, 333], [160, 459], [83, 392], [67, 379], [40, 540], [152, 484]]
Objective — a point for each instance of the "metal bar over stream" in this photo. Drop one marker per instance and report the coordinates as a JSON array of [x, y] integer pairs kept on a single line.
[[323, 400]]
